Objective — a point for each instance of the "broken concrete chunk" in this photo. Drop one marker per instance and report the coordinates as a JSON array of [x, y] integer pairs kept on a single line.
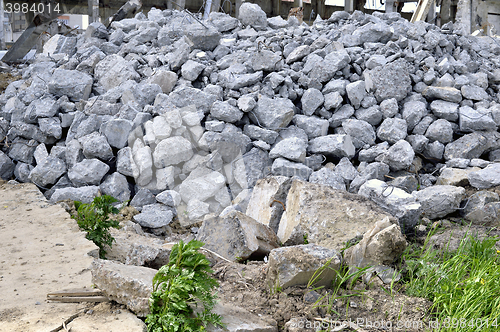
[[328, 216], [266, 204], [439, 201], [237, 237], [296, 265], [485, 178]]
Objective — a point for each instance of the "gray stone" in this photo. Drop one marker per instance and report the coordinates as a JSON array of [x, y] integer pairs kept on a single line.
[[474, 92], [186, 96], [423, 125], [237, 237], [472, 120], [335, 86], [117, 132], [201, 185], [328, 216], [246, 103], [141, 198], [361, 132], [196, 209], [356, 92], [395, 201], [346, 170], [72, 83], [291, 148], [273, 113], [172, 151], [277, 22], [50, 127], [445, 93], [201, 37], [154, 216], [343, 113], [375, 61], [389, 81], [376, 170], [439, 201], [58, 44], [47, 172], [22, 172], [82, 194], [165, 79], [126, 284], [333, 145], [96, 146], [333, 100], [494, 155], [469, 146], [298, 54], [296, 265], [389, 107], [222, 110], [6, 167], [312, 125], [483, 208], [413, 112], [476, 162], [408, 183], [399, 156], [284, 167], [372, 114], [113, 70], [311, 100], [87, 172], [41, 108], [124, 161], [392, 130], [380, 247], [485, 178], [223, 22], [23, 150], [116, 185], [261, 205], [441, 131], [418, 142], [328, 177], [458, 163], [266, 60], [74, 153], [445, 110], [169, 197], [254, 165], [191, 70], [258, 133], [373, 33], [453, 177], [252, 15]]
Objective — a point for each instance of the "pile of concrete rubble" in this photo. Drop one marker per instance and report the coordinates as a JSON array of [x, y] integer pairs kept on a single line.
[[268, 131]]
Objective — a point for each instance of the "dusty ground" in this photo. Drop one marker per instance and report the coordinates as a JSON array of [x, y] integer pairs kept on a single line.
[[43, 251]]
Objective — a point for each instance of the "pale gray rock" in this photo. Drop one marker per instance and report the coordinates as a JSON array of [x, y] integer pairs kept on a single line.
[[117, 132], [444, 93], [473, 120], [356, 92], [222, 110], [47, 172], [312, 125], [361, 132], [485, 178], [399, 156], [88, 172], [333, 145], [441, 131], [169, 197], [413, 112], [96, 146], [311, 100], [154, 216], [392, 130], [191, 70], [439, 201], [72, 83], [273, 113], [307, 259], [445, 110], [252, 15], [6, 166], [292, 148], [116, 185], [223, 235], [82, 194], [328, 177], [287, 168], [141, 198], [389, 81]]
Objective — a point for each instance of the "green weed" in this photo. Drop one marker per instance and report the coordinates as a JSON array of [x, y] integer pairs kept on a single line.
[[178, 287], [94, 219]]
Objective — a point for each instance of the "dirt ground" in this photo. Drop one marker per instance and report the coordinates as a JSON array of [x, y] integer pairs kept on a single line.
[[43, 251]]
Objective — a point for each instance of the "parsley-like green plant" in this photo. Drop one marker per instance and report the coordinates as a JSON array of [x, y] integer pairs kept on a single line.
[[180, 286], [94, 219]]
